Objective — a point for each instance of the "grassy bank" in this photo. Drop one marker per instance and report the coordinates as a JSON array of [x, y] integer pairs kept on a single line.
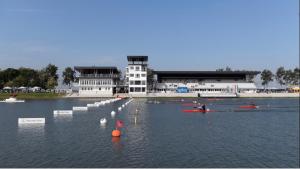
[[32, 95]]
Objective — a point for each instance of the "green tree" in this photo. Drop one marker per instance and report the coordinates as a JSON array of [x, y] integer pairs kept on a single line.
[[47, 77], [68, 76], [51, 83], [9, 84], [1, 79], [288, 77], [279, 75], [10, 74], [20, 81], [43, 78], [51, 71], [266, 77], [296, 76], [150, 79], [228, 69]]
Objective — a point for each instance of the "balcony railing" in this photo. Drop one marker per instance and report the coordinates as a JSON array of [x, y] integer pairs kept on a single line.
[[99, 76]]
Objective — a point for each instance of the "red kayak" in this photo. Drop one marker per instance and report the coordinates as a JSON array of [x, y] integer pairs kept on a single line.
[[197, 111], [249, 107]]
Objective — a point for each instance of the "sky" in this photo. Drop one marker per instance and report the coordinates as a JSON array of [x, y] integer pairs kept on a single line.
[[175, 34]]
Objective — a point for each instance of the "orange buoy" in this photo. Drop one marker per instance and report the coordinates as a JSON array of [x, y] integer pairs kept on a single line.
[[116, 133]]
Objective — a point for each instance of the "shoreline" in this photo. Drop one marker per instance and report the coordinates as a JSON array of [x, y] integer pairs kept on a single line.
[[195, 95], [33, 96], [47, 96]]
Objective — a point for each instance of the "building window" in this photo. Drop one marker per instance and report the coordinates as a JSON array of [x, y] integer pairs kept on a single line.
[[143, 89], [99, 88], [137, 89], [131, 82], [137, 68], [131, 75], [144, 69], [131, 67], [143, 82], [137, 75], [127, 70], [137, 82], [131, 89], [143, 75]]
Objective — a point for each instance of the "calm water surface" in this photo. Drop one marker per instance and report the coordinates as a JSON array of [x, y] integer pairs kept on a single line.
[[163, 135]]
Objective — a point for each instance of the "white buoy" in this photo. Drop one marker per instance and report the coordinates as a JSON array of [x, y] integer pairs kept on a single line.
[[123, 105], [113, 113], [120, 108], [103, 121]]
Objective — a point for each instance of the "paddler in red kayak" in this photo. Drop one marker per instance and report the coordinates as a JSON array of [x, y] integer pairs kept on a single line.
[[202, 108]]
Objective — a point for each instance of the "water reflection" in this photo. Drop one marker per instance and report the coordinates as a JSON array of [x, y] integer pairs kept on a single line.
[[63, 117], [31, 130], [116, 143]]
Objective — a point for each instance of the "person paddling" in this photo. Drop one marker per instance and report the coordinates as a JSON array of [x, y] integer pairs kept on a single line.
[[203, 107]]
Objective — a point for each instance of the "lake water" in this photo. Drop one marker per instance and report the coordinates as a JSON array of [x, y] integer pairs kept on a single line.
[[163, 136]]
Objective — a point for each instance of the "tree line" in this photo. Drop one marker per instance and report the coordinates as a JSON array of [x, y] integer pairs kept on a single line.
[[46, 78], [287, 77]]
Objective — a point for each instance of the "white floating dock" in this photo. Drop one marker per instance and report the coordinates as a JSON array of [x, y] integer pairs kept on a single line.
[[92, 105], [80, 108], [62, 112], [31, 120]]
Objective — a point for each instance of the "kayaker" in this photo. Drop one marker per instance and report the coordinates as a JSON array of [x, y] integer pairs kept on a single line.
[[203, 107]]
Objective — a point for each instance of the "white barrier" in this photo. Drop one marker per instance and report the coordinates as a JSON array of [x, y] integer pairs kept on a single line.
[[80, 108], [92, 105], [62, 112], [31, 120]]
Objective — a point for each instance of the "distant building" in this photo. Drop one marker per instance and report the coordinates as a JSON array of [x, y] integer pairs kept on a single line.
[[105, 81], [136, 74], [204, 81], [95, 80]]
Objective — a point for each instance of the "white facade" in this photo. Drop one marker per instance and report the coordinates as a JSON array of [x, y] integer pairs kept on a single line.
[[208, 87], [136, 79], [96, 86], [97, 81]]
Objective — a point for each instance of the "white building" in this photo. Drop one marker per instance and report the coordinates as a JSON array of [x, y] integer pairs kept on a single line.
[[97, 81], [205, 82], [136, 74]]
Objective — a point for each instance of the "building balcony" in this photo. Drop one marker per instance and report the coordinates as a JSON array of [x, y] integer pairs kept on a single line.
[[100, 76]]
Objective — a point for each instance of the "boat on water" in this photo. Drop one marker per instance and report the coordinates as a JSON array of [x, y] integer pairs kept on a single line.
[[249, 107], [12, 100], [197, 111]]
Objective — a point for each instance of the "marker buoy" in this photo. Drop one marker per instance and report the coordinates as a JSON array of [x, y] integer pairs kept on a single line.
[[116, 133], [103, 121]]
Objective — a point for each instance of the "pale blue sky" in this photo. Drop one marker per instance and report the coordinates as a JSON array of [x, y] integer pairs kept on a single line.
[[175, 34]]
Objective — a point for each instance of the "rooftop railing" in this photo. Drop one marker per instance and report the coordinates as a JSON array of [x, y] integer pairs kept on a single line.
[[99, 76]]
